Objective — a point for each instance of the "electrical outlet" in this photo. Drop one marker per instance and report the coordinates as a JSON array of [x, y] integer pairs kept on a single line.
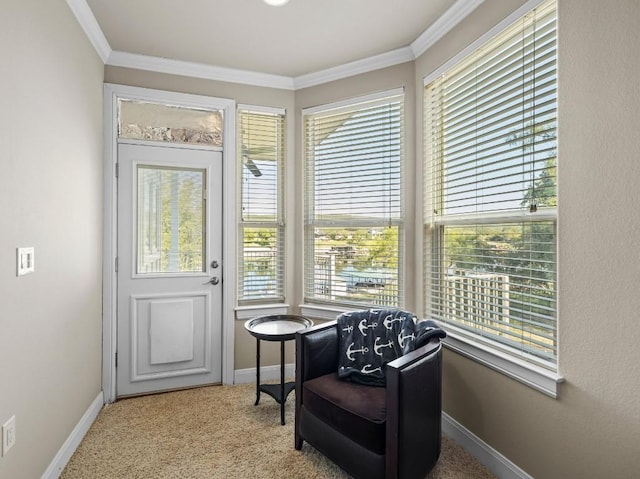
[[8, 435]]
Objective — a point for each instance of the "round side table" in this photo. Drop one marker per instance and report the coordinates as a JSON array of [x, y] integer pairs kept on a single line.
[[279, 327]]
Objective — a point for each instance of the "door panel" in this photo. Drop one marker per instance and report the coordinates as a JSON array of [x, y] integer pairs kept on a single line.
[[169, 233], [171, 331]]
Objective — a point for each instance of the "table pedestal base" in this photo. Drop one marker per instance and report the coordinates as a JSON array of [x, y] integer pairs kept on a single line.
[[279, 392]]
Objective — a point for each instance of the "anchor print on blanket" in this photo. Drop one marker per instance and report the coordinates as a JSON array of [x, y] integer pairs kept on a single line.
[[402, 338], [378, 347], [368, 370], [389, 320], [370, 339], [363, 326], [350, 351]]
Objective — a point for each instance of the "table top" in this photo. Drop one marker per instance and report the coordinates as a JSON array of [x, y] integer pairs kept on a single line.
[[278, 327]]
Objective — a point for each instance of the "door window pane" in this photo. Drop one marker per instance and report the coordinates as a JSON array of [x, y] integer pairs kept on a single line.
[[171, 212], [140, 120]]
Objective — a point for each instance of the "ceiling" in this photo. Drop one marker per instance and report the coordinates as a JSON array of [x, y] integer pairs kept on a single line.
[[303, 37]]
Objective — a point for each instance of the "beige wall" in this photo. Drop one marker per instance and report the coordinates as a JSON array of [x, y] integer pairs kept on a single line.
[[593, 429], [51, 199]]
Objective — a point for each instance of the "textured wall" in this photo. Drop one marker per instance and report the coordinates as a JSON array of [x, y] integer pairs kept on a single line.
[[51, 199], [593, 429]]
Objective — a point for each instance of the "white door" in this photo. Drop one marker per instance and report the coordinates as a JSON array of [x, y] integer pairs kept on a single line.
[[169, 268]]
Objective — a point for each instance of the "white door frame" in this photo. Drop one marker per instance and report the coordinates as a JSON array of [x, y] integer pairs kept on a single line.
[[112, 93]]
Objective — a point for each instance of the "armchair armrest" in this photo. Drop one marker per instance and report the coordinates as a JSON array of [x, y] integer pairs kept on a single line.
[[417, 355], [414, 405]]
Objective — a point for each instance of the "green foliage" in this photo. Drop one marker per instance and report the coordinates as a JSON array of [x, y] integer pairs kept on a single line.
[[262, 237], [543, 189], [262, 261], [523, 252], [361, 248], [182, 223], [378, 250]]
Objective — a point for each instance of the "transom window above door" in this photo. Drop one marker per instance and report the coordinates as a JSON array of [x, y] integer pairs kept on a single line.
[[141, 120]]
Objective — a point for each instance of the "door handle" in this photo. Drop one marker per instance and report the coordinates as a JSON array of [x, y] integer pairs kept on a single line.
[[215, 280]]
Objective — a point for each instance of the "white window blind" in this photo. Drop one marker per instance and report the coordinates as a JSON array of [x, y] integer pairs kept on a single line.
[[261, 151], [353, 204], [490, 223]]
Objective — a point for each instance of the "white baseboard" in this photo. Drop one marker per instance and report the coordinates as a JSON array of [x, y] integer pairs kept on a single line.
[[483, 452], [73, 441], [267, 373]]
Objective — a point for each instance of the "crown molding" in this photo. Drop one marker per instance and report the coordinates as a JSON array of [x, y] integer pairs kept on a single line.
[[482, 39], [438, 29], [198, 70], [376, 62], [88, 22]]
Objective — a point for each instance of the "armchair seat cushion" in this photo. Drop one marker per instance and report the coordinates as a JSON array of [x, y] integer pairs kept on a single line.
[[357, 411]]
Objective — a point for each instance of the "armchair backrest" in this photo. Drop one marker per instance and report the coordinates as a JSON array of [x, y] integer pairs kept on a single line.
[[317, 353]]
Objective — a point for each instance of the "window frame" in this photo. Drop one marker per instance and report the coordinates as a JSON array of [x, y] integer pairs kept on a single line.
[[540, 375], [278, 223], [324, 308]]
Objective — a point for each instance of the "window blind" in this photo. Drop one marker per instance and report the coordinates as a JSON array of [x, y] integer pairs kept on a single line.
[[490, 224], [261, 151], [353, 204]]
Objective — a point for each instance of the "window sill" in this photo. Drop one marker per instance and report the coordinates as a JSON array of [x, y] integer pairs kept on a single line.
[[325, 312], [249, 312], [536, 377]]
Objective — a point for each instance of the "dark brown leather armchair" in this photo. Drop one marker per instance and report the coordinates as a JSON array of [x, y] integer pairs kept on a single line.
[[370, 432]]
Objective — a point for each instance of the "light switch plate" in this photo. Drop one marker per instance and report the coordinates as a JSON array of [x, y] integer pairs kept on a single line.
[[25, 261]]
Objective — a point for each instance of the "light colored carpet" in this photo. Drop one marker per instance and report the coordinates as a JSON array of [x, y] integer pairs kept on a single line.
[[215, 432]]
